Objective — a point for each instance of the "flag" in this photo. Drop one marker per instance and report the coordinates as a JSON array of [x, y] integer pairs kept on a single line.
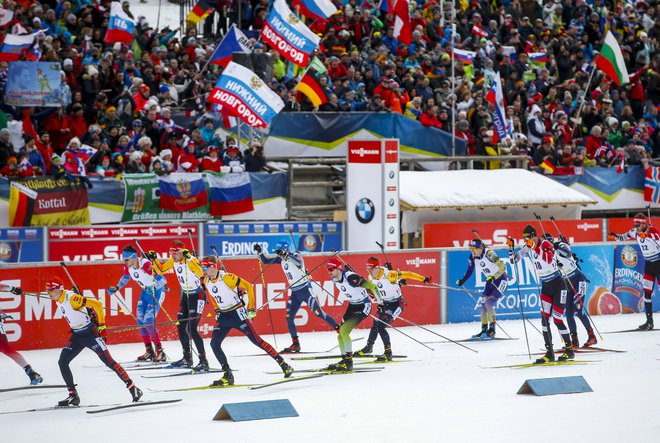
[[14, 46], [310, 86], [510, 51], [538, 59], [121, 28], [289, 36], [34, 54], [610, 60], [652, 184], [201, 10], [230, 193], [495, 96], [318, 66], [385, 6], [479, 31], [18, 29], [402, 26], [182, 191], [315, 9], [234, 41], [548, 166], [466, 57], [622, 165], [6, 17], [244, 94]]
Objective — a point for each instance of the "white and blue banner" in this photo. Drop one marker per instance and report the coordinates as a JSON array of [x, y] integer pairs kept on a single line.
[[243, 94], [288, 35], [34, 84]]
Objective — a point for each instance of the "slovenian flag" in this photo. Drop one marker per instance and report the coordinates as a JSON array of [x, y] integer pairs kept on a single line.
[[121, 27], [230, 193], [315, 9], [465, 57], [234, 41], [182, 191], [538, 59], [15, 45], [495, 97]]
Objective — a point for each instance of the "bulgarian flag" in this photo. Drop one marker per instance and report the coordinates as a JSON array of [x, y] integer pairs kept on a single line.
[[610, 60]]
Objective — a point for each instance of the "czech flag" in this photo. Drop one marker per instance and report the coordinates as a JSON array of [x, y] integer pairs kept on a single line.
[[465, 57], [230, 193], [14, 46], [310, 86], [234, 41], [479, 31], [182, 191], [315, 9], [121, 27]]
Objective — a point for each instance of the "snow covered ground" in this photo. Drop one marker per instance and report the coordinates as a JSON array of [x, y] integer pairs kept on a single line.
[[443, 394]]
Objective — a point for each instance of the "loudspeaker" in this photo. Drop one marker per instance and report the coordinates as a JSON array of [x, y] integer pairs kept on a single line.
[[260, 64]]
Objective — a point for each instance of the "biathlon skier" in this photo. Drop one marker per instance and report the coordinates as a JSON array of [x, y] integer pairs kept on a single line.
[[487, 260], [389, 284], [87, 321], [553, 290], [10, 352], [647, 237], [225, 290], [576, 284], [357, 290], [191, 304], [293, 266], [151, 299]]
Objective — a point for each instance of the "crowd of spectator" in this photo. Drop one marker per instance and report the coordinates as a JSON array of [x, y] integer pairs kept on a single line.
[[118, 100]]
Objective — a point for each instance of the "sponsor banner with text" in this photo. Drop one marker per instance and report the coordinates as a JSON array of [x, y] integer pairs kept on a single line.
[[21, 245], [37, 324]]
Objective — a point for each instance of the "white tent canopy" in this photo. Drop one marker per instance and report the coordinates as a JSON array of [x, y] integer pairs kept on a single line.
[[498, 195]]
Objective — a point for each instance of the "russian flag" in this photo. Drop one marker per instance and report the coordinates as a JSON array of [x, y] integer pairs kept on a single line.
[[230, 193], [315, 9], [121, 27], [479, 30], [182, 191], [234, 41], [14, 46], [465, 57], [495, 97]]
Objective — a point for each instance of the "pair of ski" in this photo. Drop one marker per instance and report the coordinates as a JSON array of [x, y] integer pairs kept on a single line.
[[550, 363], [582, 350]]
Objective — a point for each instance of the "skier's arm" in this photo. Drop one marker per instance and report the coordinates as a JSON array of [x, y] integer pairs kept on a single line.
[[123, 281], [163, 267], [270, 261], [406, 275], [469, 270], [195, 267]]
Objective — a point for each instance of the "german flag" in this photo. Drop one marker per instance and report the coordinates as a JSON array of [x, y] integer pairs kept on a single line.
[[201, 10], [310, 86]]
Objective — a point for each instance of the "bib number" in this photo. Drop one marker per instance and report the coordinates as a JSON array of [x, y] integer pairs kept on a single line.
[[101, 343], [367, 309], [242, 313], [200, 306], [562, 298]]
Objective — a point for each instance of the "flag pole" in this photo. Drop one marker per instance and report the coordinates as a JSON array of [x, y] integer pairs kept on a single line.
[[453, 79], [586, 91]]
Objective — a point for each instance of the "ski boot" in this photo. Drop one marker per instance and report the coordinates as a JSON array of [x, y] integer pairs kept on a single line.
[[387, 355], [35, 378], [286, 369], [136, 393], [203, 365], [367, 350], [185, 362], [227, 378], [71, 400], [548, 357], [491, 331], [568, 354], [482, 334], [648, 326], [294, 348], [148, 355], [591, 340], [574, 340], [343, 365], [160, 354]]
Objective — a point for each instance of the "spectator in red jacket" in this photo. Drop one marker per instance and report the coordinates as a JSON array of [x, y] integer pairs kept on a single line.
[[77, 121], [212, 161], [430, 117], [594, 141], [57, 125]]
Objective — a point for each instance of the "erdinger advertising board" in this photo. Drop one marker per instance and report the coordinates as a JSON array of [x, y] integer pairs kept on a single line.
[[106, 242], [437, 235], [37, 324], [21, 245], [231, 239]]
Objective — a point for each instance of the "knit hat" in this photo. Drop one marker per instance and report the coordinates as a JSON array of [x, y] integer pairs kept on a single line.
[[164, 88]]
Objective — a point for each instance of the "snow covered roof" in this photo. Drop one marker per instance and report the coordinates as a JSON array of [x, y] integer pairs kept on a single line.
[[483, 189]]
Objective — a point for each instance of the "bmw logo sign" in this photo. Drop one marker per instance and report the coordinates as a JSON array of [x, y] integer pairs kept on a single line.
[[391, 174], [364, 210], [391, 229], [286, 266], [391, 202]]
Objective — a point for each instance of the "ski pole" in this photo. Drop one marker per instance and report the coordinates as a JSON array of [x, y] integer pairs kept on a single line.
[[349, 267], [412, 323], [522, 313], [120, 328], [261, 270], [215, 252], [382, 249], [270, 315], [192, 244], [75, 287]]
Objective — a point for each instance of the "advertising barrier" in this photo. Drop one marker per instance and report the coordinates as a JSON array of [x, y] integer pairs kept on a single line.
[[37, 324], [615, 273], [239, 238], [21, 245]]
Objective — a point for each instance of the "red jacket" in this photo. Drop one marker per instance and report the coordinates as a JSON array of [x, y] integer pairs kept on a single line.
[[59, 130], [78, 125]]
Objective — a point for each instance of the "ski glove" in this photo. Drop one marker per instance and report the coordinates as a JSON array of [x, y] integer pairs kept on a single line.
[[489, 279], [151, 255], [257, 248], [460, 282], [103, 332], [641, 234], [388, 265], [251, 313], [509, 242], [529, 243], [611, 236], [16, 291], [112, 289], [281, 253], [427, 280], [186, 253]]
